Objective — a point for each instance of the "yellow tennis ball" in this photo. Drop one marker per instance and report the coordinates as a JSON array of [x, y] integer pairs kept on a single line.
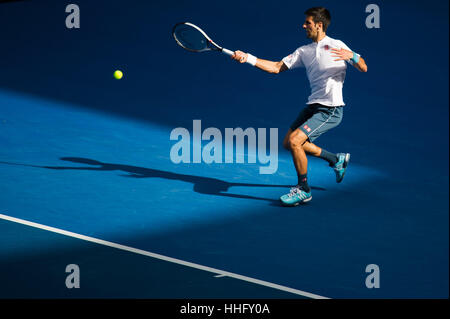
[[118, 74]]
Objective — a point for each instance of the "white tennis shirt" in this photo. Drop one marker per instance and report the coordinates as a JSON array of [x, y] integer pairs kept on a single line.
[[326, 76]]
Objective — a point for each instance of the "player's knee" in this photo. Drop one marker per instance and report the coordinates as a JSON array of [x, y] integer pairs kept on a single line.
[[296, 141]]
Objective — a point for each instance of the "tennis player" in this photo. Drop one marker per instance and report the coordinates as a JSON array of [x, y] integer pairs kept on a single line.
[[325, 62]]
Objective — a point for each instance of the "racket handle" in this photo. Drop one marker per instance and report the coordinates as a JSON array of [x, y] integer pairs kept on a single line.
[[230, 53], [227, 52]]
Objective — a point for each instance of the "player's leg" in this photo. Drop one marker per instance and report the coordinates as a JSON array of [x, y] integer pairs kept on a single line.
[[321, 122], [312, 149], [296, 141], [316, 151], [337, 161], [302, 192]]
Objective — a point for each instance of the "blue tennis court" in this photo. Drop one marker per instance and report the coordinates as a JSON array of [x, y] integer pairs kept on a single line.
[[87, 178]]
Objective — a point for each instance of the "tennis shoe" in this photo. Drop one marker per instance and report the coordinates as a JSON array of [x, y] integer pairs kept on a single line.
[[341, 166], [295, 197]]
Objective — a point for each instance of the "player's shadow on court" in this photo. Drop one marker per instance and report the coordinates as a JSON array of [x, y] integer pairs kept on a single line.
[[202, 185]]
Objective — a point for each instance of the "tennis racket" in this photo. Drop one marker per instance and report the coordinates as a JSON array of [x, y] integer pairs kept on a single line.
[[192, 38]]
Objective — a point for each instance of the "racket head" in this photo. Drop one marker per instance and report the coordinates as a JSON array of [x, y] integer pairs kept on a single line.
[[192, 38]]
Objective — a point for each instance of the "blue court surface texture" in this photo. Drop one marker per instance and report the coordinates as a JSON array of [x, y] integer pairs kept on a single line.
[[86, 176]]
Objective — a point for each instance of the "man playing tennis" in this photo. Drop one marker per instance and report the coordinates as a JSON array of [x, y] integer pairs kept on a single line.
[[324, 61]]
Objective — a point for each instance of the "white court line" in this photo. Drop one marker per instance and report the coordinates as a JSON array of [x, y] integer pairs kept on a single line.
[[219, 272]]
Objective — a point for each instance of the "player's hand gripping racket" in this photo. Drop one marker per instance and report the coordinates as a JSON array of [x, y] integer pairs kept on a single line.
[[192, 38]]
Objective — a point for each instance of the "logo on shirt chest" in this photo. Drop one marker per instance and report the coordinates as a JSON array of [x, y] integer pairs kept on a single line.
[[326, 47]]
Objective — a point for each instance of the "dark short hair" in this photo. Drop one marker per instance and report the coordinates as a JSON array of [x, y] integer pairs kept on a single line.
[[319, 14]]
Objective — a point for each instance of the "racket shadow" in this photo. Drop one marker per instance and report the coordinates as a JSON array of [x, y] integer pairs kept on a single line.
[[201, 184]]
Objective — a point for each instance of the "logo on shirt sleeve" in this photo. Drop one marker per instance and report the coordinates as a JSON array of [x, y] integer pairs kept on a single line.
[[326, 47], [306, 127]]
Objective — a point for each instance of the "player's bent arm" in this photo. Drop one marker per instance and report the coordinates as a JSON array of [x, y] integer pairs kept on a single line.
[[348, 55]]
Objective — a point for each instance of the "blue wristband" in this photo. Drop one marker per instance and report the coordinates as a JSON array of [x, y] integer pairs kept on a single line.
[[355, 58]]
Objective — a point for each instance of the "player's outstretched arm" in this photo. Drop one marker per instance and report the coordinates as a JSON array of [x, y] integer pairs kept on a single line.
[[265, 65], [343, 54]]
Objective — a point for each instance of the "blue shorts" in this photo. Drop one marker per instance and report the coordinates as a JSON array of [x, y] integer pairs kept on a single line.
[[316, 119]]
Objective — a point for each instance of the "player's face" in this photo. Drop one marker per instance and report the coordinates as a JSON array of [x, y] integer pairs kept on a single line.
[[311, 28]]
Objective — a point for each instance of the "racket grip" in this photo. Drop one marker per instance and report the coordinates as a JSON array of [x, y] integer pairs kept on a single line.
[[227, 52]]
